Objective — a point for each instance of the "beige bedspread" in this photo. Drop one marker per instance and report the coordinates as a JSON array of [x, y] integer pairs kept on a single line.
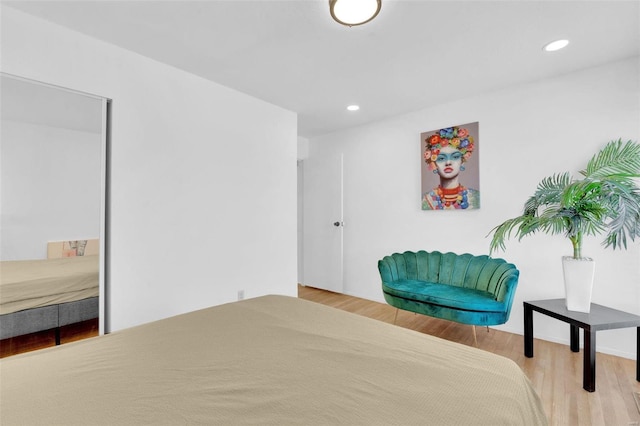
[[270, 360], [26, 284]]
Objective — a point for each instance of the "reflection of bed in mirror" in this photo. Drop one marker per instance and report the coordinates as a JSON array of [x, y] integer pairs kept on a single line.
[[53, 178], [45, 294]]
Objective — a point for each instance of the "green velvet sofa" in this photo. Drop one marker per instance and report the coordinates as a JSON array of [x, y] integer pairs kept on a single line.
[[468, 289]]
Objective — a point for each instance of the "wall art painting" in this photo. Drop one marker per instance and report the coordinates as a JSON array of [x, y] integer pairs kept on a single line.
[[450, 168]]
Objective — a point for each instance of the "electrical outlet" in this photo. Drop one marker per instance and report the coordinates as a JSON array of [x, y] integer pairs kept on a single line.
[[240, 294]]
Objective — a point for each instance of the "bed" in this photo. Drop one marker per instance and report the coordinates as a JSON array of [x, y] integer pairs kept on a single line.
[[44, 294], [268, 360]]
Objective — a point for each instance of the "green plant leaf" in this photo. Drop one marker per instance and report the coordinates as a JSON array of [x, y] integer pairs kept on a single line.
[[605, 201], [616, 158]]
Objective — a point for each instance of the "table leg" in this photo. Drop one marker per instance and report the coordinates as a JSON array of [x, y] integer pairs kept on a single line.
[[589, 368], [575, 338], [528, 331]]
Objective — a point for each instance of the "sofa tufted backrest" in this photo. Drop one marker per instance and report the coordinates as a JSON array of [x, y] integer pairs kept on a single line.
[[493, 275]]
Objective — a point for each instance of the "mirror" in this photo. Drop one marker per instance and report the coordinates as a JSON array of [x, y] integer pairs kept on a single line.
[[52, 207]]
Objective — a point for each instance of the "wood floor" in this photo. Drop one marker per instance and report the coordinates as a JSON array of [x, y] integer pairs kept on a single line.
[[44, 339], [555, 371]]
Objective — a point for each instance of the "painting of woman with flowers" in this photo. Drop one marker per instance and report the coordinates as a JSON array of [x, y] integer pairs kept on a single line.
[[447, 153]]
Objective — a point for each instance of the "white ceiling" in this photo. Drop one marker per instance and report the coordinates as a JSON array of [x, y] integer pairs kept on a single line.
[[415, 54]]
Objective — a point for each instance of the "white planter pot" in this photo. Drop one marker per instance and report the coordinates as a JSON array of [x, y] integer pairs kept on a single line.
[[578, 282]]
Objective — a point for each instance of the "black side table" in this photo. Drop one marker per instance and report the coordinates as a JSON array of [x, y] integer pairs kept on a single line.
[[600, 318]]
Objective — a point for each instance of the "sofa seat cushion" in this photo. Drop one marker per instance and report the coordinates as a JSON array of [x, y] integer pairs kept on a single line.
[[444, 295]]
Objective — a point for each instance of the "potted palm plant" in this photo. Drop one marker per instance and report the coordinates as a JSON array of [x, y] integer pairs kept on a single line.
[[605, 201]]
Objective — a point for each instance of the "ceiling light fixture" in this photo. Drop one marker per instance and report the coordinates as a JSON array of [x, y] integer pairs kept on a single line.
[[353, 107], [354, 12], [555, 45]]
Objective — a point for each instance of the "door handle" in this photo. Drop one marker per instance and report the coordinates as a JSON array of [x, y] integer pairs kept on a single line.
[[337, 224]]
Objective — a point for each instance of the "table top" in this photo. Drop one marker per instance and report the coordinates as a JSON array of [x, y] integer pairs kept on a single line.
[[599, 318]]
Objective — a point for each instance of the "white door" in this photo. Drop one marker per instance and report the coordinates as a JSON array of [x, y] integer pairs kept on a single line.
[[323, 222]]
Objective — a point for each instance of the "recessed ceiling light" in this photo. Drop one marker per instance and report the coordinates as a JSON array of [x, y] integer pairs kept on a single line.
[[555, 45], [353, 107]]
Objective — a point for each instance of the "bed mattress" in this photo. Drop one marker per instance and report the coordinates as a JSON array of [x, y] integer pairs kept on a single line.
[[272, 360], [26, 284]]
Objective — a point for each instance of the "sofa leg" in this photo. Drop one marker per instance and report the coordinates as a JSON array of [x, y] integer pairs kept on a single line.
[[396, 316], [475, 336]]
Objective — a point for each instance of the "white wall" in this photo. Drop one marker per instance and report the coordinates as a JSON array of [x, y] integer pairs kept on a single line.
[[50, 186], [303, 153], [526, 133], [203, 178]]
